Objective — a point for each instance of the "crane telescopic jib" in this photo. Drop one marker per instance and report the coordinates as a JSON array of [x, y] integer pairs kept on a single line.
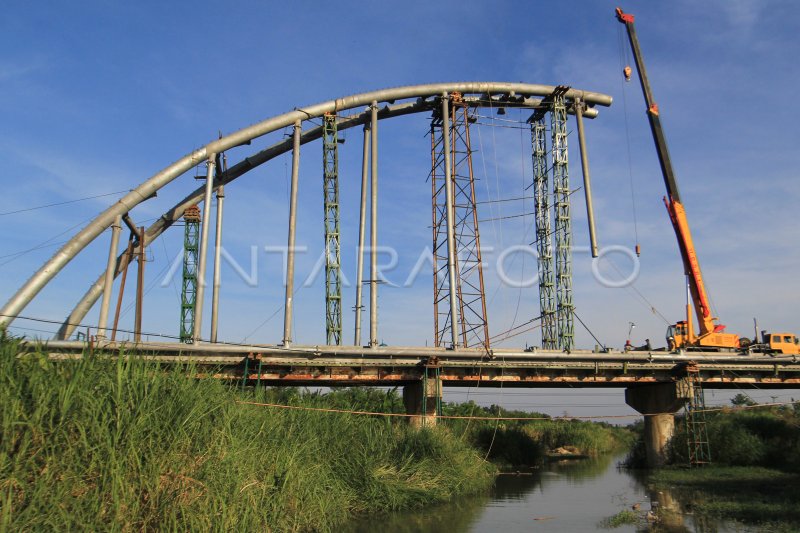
[[710, 334]]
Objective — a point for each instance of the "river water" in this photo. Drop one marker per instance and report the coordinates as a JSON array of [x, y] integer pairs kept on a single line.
[[564, 496]]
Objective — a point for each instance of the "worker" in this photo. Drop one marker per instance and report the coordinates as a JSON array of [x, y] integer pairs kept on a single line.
[[628, 345], [647, 345]]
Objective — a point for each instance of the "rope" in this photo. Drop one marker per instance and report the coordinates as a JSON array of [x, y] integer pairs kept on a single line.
[[587, 329], [62, 203], [16, 255]]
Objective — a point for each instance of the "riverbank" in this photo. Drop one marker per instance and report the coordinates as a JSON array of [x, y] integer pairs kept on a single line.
[[100, 444], [754, 476], [753, 496], [516, 444]]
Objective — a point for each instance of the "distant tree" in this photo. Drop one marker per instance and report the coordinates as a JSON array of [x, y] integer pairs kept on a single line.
[[741, 400]]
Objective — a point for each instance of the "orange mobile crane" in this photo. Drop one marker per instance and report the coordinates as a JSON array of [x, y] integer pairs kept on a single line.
[[710, 335]]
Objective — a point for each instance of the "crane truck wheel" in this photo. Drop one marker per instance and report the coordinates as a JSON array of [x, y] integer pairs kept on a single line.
[[744, 342], [744, 345]]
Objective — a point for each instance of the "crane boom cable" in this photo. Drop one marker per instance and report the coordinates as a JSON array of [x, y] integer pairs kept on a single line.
[[623, 63]]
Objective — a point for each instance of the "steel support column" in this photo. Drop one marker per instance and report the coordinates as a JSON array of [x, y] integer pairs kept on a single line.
[[108, 282], [333, 261], [563, 222], [217, 263], [373, 235], [362, 224], [211, 168], [287, 314], [129, 256], [450, 221], [587, 183], [137, 328]]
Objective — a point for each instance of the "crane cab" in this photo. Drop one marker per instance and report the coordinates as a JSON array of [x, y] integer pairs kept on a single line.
[[784, 343], [677, 335]]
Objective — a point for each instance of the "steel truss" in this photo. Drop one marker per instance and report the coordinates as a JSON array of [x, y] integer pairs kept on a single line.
[[563, 222], [191, 244], [472, 322], [333, 268], [544, 243]]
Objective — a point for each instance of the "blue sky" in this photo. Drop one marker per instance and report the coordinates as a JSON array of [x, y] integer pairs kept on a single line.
[[98, 96]]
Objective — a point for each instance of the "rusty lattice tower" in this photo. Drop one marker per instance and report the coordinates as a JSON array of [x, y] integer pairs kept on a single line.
[[451, 160]]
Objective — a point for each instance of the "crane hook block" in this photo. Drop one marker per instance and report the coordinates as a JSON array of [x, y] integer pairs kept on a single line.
[[627, 72], [638, 251]]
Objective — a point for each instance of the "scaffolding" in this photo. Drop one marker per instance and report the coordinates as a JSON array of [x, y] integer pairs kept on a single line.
[[695, 420], [471, 321], [333, 269], [563, 222], [191, 240]]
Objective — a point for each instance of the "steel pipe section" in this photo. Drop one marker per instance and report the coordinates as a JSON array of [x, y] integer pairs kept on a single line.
[[515, 93], [300, 354]]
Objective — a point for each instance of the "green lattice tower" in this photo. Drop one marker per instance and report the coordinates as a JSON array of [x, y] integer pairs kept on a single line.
[[563, 222], [191, 245], [333, 269], [544, 239], [695, 420]]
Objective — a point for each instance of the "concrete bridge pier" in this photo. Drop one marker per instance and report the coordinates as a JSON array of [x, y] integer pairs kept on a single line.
[[422, 399], [658, 403]]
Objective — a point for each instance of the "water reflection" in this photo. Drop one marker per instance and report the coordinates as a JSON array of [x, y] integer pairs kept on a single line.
[[447, 518], [575, 495]]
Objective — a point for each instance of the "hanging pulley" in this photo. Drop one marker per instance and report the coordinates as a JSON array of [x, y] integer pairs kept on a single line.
[[627, 71]]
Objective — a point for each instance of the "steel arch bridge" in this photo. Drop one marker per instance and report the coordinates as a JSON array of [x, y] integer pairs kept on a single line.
[[657, 383], [382, 104]]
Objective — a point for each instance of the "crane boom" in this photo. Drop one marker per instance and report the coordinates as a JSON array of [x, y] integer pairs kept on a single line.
[[709, 333]]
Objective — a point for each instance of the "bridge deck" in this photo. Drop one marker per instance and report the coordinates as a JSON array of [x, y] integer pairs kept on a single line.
[[397, 365]]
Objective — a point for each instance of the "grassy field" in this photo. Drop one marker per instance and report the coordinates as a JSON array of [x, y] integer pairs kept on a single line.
[[102, 444]]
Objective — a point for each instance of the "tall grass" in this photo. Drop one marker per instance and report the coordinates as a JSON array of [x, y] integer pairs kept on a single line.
[[766, 437], [515, 443], [122, 444]]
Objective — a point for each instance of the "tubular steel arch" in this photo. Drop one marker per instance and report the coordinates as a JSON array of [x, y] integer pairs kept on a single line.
[[423, 98]]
